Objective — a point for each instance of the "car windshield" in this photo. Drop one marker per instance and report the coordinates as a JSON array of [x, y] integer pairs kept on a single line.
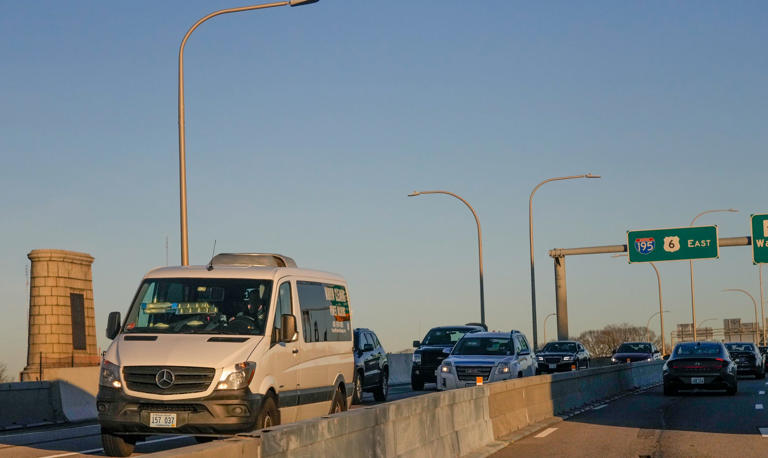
[[200, 305], [743, 347], [482, 346], [705, 349], [444, 336], [634, 348], [560, 347]]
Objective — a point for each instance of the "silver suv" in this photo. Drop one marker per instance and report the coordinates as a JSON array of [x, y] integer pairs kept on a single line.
[[483, 357]]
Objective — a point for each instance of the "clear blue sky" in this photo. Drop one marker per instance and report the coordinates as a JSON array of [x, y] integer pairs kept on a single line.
[[307, 128]]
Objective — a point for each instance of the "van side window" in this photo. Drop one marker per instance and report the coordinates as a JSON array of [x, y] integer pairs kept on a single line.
[[284, 307], [324, 312]]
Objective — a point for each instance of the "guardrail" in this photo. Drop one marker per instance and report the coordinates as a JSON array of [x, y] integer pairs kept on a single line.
[[469, 421]]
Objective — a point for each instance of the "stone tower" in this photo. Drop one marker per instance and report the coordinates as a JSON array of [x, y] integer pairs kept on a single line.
[[62, 330]]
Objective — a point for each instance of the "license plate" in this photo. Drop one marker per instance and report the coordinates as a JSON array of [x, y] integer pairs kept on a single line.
[[553, 366], [697, 380], [162, 420]]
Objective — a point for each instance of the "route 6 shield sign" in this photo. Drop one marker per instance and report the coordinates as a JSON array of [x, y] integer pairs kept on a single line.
[[671, 244], [645, 245]]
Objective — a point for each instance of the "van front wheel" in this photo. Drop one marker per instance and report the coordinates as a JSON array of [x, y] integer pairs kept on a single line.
[[269, 415], [339, 403], [115, 445]]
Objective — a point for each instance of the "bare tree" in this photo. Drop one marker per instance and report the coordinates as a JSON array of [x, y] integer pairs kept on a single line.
[[4, 377], [603, 342]]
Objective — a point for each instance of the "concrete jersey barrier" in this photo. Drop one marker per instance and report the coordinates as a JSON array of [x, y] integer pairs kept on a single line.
[[451, 423]]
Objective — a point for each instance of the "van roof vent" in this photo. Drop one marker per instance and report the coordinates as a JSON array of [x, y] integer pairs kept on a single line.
[[252, 259]]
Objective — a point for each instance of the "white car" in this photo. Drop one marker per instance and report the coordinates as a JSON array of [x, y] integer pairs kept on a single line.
[[248, 341], [483, 357]]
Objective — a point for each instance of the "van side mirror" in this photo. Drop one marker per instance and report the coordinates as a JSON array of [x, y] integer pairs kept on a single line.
[[113, 325], [416, 343], [287, 328]]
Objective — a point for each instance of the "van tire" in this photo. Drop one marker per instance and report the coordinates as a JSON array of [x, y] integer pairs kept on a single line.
[[269, 415], [339, 402], [115, 445], [357, 388], [380, 393]]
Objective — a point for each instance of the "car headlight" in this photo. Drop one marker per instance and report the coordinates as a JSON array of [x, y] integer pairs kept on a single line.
[[238, 378], [417, 358], [567, 358], [540, 358], [503, 368], [649, 359], [613, 360], [109, 375], [446, 367]]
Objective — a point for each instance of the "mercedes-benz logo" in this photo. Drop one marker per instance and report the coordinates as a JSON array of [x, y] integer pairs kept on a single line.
[[165, 378]]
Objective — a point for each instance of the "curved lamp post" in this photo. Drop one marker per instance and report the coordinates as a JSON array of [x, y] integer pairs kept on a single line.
[[690, 266], [757, 326], [479, 244], [530, 239], [661, 305], [648, 327], [182, 143], [545, 326], [701, 325]]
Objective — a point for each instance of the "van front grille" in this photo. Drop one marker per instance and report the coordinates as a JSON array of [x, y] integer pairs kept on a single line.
[[185, 379]]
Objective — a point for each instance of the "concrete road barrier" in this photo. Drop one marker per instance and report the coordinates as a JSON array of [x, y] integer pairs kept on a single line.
[[453, 423]]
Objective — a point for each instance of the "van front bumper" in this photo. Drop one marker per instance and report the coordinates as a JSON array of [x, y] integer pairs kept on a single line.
[[223, 412]]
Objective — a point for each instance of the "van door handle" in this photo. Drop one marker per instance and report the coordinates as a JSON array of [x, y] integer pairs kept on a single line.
[[295, 350]]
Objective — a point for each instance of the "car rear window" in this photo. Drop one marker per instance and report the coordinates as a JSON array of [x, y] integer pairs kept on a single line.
[[698, 350]]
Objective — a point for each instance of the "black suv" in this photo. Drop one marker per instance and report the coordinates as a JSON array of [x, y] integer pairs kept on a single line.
[[371, 366], [430, 352]]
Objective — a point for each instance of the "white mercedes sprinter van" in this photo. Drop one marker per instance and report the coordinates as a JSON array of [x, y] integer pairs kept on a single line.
[[246, 342]]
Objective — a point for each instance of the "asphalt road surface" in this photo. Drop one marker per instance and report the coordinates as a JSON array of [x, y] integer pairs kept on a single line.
[[85, 439], [649, 424]]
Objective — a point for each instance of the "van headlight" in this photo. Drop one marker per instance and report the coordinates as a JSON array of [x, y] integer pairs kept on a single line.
[[109, 375], [238, 378], [417, 358], [503, 368], [446, 367]]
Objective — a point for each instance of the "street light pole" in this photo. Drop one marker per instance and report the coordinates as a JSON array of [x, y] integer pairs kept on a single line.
[[545, 327], [530, 239], [648, 327], [690, 266], [762, 303], [661, 304], [754, 302], [479, 244], [182, 142], [701, 325]]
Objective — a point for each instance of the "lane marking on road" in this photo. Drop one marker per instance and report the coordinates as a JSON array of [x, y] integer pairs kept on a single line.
[[77, 428], [97, 450], [763, 432], [761, 392], [546, 432], [602, 406], [758, 406]]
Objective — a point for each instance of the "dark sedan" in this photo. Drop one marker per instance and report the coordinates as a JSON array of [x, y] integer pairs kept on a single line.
[[747, 357], [562, 356], [699, 365], [631, 352]]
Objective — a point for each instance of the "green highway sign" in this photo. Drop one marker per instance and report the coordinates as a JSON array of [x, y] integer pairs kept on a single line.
[[759, 239], [674, 244]]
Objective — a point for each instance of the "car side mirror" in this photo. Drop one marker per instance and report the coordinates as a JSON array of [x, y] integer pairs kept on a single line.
[[416, 343], [368, 347], [666, 357], [447, 350], [524, 352], [287, 328], [113, 325]]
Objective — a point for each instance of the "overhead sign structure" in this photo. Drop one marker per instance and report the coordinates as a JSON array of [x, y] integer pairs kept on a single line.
[[759, 238], [674, 244]]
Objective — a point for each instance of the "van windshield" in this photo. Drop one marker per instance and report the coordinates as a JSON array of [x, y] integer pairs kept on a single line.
[[200, 306]]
